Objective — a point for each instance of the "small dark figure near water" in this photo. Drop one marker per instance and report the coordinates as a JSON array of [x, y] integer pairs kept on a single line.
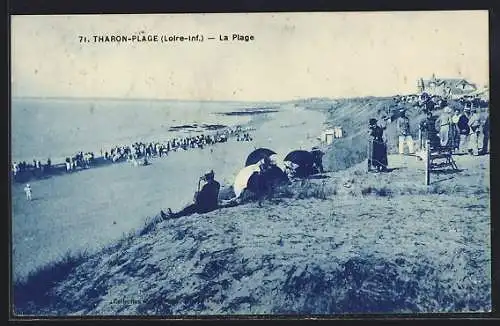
[[205, 200]]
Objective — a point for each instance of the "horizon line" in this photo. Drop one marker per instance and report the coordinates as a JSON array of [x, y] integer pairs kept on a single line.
[[38, 97], [110, 98]]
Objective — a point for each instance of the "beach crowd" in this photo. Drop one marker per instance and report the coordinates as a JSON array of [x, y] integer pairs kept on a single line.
[[133, 153], [461, 130]]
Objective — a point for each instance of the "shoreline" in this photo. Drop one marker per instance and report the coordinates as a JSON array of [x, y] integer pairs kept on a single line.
[[58, 166], [41, 129]]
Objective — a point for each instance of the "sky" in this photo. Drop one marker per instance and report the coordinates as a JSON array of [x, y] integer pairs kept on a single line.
[[292, 56]]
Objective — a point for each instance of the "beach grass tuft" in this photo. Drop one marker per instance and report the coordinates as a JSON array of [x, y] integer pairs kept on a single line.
[[36, 288]]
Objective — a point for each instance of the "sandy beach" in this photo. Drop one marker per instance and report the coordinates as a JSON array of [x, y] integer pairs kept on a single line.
[[76, 212]]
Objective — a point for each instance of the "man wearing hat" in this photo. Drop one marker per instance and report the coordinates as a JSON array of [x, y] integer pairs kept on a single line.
[[443, 125], [464, 129], [475, 132], [454, 132], [205, 200], [404, 136], [426, 102]]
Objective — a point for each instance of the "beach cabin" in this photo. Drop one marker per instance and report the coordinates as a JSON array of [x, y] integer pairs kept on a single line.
[[337, 132], [327, 136]]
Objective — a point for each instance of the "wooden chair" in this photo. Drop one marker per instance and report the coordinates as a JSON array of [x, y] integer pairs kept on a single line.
[[441, 157]]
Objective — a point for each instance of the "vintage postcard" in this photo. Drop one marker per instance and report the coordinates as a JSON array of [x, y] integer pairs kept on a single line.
[[236, 164]]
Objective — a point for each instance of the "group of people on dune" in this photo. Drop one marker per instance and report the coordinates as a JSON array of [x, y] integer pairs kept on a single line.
[[255, 181], [462, 130]]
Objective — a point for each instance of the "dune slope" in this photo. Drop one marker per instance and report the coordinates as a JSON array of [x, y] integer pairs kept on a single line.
[[350, 242]]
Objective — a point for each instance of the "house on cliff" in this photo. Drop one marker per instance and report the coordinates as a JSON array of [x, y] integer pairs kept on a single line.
[[446, 87]]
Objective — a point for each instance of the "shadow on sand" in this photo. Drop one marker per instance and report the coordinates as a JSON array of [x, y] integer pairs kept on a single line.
[[447, 171], [319, 177]]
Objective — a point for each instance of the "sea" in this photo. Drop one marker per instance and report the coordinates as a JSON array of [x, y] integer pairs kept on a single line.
[[57, 128]]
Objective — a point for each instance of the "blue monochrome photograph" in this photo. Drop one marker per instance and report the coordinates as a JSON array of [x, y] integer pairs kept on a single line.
[[250, 164]]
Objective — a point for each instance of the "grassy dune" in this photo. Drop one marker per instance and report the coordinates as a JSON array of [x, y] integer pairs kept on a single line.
[[348, 242], [353, 116]]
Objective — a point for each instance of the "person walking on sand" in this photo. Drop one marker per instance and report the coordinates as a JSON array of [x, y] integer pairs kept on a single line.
[[27, 191], [404, 136]]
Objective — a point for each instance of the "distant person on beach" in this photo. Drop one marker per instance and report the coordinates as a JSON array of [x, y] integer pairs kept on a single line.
[[404, 136], [27, 190], [68, 164], [205, 200]]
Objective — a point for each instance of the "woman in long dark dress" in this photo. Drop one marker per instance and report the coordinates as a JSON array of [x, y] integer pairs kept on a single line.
[[378, 147]]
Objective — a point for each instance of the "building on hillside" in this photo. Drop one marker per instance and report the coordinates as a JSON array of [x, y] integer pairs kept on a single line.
[[446, 87]]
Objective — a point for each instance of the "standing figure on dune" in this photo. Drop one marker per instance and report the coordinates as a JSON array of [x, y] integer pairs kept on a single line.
[[404, 136], [377, 155], [443, 124], [486, 135], [475, 136], [454, 132], [205, 200], [464, 129], [429, 132]]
